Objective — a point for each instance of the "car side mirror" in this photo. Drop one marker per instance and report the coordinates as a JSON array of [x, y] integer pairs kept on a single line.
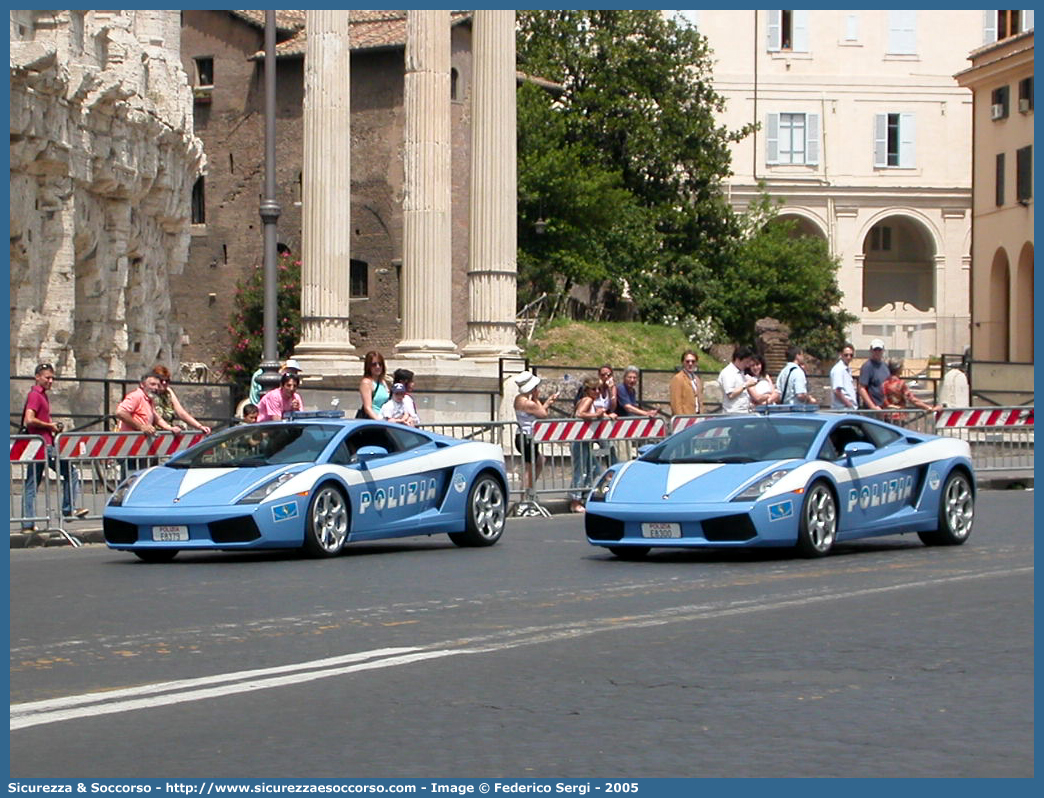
[[644, 449], [367, 453], [858, 448]]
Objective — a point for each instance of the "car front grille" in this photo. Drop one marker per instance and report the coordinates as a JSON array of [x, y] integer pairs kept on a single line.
[[598, 527], [119, 531], [241, 529], [729, 528]]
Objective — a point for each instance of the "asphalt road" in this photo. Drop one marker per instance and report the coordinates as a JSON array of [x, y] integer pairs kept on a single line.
[[539, 657]]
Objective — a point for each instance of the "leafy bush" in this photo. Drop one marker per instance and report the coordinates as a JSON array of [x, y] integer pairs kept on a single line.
[[248, 319]]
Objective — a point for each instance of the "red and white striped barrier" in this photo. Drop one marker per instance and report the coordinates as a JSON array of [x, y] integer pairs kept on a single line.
[[27, 448], [568, 430], [105, 445], [985, 417]]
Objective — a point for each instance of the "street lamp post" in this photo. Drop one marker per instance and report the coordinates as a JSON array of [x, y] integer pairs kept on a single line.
[[270, 211]]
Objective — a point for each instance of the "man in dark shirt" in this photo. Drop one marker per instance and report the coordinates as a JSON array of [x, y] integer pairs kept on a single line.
[[37, 421], [872, 376]]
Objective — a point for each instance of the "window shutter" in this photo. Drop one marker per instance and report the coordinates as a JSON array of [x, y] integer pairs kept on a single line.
[[999, 185], [772, 139], [1027, 20], [902, 32], [852, 28], [989, 27], [907, 141], [1024, 174], [880, 139], [800, 21], [812, 138], [774, 30]]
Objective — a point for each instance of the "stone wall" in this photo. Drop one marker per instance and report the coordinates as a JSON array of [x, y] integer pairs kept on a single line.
[[103, 159]]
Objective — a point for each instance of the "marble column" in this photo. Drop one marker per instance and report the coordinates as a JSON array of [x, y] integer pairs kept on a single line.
[[492, 271], [426, 258], [325, 348]]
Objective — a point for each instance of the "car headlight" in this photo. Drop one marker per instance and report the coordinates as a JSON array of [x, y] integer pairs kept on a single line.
[[599, 491], [116, 500], [755, 489], [259, 494]]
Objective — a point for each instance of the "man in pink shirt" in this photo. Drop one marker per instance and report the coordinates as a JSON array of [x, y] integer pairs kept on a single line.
[[281, 401], [136, 413]]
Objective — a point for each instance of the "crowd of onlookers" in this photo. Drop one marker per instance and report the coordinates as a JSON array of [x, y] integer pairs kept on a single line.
[[745, 385]]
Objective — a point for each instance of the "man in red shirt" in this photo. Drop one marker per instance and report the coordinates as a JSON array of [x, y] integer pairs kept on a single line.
[[36, 418]]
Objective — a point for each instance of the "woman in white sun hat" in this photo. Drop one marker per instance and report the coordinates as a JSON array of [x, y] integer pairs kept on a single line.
[[528, 408]]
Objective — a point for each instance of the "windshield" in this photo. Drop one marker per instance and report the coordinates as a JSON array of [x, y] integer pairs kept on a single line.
[[738, 439], [253, 445]]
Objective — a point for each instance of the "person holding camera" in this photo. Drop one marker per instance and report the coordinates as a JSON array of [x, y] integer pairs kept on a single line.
[[36, 420]]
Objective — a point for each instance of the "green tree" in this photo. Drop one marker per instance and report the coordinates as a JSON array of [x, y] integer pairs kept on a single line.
[[779, 273], [246, 328], [625, 162]]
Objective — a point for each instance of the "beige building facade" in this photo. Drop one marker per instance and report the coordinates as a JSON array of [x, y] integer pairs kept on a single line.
[[865, 137], [1001, 81]]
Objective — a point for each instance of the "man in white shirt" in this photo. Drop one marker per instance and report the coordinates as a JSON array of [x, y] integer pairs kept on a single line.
[[842, 386], [735, 381], [793, 382]]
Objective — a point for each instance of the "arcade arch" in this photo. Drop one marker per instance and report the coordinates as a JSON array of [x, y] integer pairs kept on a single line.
[[899, 264], [1021, 345], [997, 319]]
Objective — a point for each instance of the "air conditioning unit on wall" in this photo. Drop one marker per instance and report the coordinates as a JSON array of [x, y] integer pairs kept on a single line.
[[1024, 105], [997, 111]]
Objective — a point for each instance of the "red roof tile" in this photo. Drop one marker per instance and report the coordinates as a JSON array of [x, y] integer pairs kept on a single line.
[[370, 30]]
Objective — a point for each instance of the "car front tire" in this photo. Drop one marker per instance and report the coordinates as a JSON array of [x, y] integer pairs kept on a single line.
[[486, 513], [817, 529], [326, 528], [956, 513]]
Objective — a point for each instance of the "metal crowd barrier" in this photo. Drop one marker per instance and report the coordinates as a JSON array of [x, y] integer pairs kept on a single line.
[[105, 458], [574, 452], [499, 433], [28, 452], [1001, 438]]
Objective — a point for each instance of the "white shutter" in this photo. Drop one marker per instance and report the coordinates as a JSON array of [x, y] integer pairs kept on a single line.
[[880, 139], [852, 28], [800, 22], [907, 140], [812, 138], [989, 27], [774, 30], [772, 139], [1027, 20], [902, 32]]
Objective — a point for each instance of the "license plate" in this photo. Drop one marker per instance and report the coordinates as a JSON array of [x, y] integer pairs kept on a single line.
[[661, 530], [168, 533]]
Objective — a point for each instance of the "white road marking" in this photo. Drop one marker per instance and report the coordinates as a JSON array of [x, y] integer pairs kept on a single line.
[[149, 696]]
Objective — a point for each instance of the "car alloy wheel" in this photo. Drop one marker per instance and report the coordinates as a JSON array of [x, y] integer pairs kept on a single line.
[[486, 514], [956, 513], [959, 507], [818, 528], [327, 522]]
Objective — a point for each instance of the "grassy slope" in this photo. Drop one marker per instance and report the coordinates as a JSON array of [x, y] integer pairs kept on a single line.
[[591, 343]]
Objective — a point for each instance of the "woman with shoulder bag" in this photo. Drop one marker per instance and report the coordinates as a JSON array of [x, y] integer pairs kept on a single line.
[[373, 389]]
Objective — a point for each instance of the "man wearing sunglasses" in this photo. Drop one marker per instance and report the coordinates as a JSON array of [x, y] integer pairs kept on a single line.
[[686, 388], [36, 420]]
